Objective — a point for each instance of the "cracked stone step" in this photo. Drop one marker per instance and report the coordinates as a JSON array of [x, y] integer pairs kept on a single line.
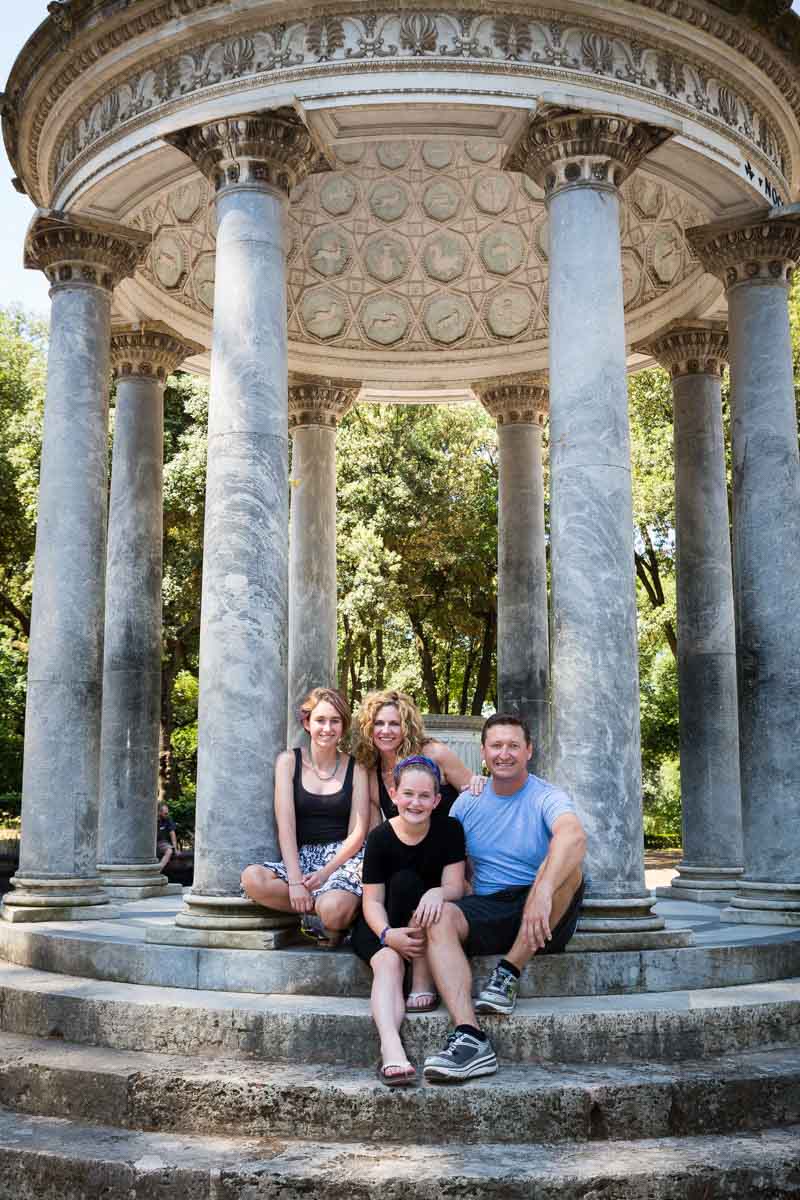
[[43, 1158], [671, 1026], [536, 1103]]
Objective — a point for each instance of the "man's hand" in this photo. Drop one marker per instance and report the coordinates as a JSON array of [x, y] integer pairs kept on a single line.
[[536, 917], [429, 909], [409, 942]]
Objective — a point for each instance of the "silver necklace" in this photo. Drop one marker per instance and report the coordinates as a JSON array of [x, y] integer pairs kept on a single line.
[[313, 769]]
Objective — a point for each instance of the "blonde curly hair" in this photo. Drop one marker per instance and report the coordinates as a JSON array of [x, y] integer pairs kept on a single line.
[[414, 736]]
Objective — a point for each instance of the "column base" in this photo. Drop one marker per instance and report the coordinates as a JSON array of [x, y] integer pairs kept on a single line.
[[67, 899], [625, 923], [702, 885], [135, 881], [760, 903], [227, 921]]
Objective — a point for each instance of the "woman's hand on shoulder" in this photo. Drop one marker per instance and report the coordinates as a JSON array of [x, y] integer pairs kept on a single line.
[[450, 765], [477, 783]]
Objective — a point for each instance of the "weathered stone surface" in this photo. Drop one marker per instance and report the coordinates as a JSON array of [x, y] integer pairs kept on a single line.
[[48, 1159]]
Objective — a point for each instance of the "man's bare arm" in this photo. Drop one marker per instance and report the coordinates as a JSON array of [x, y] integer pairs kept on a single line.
[[564, 859]]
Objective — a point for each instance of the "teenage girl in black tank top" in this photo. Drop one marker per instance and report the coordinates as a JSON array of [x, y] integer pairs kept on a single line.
[[322, 814]]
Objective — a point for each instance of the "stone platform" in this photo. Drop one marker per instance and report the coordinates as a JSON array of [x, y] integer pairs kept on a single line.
[[721, 954]]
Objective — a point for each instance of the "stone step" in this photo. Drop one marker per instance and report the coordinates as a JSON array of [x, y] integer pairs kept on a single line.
[[666, 1027], [44, 1158], [531, 1104], [118, 951]]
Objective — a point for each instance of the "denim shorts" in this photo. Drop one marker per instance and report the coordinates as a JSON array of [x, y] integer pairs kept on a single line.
[[494, 921]]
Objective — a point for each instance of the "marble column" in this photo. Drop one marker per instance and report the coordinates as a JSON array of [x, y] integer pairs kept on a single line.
[[694, 354], [755, 258], [315, 408], [519, 405], [141, 358], [57, 877], [252, 162], [580, 160]]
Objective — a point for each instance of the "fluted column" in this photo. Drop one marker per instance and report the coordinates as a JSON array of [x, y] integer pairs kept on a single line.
[[252, 162], [523, 644], [141, 360], [694, 354], [57, 877], [581, 160], [315, 408], [755, 258]]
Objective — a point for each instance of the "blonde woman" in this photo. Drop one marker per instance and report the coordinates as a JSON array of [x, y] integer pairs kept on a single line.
[[322, 814], [388, 729]]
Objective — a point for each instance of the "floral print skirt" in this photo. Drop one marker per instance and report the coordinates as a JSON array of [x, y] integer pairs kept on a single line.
[[346, 878]]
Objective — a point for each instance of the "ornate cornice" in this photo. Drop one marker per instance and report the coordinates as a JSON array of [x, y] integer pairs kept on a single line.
[[691, 348], [314, 401], [256, 148], [763, 248], [76, 249], [565, 149], [515, 399], [151, 351], [537, 39]]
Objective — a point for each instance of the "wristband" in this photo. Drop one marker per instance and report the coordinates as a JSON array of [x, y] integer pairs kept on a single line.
[[386, 929]]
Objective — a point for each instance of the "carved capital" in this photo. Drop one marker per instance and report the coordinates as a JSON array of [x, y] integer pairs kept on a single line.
[[562, 149], [314, 401], [515, 399], [76, 249], [691, 348], [151, 351], [763, 248], [272, 148]]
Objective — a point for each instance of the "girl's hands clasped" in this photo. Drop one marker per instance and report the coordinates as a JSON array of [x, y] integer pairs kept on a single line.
[[300, 898], [409, 942]]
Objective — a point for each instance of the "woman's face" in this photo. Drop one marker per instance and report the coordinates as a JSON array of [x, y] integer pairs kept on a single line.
[[324, 724], [387, 729]]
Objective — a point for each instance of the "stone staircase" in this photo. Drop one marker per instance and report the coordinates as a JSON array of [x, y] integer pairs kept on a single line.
[[112, 1090]]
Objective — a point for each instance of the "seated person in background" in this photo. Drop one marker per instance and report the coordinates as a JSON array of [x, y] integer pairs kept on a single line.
[[526, 846], [166, 840], [322, 813], [411, 867]]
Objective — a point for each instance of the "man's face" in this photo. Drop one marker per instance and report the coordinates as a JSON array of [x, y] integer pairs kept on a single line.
[[506, 752], [163, 811]]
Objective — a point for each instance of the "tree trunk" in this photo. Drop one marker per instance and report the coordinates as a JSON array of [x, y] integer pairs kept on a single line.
[[648, 573], [470, 663], [380, 661], [426, 662], [169, 786], [485, 669], [345, 660]]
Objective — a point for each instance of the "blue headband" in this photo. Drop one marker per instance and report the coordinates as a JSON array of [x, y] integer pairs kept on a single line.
[[417, 760]]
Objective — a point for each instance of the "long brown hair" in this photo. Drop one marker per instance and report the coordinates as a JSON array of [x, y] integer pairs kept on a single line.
[[414, 737]]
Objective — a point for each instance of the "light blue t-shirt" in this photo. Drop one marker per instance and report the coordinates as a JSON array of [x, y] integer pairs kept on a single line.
[[508, 836]]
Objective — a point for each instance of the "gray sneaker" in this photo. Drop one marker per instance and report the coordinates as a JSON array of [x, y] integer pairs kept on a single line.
[[464, 1057], [500, 993]]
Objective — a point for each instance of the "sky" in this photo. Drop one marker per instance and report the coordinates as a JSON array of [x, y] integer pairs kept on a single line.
[[18, 286]]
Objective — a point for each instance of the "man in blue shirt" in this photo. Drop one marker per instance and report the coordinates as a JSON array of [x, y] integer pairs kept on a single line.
[[526, 845]]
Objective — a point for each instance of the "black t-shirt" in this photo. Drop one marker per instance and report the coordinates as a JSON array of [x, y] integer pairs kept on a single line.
[[166, 826], [386, 854]]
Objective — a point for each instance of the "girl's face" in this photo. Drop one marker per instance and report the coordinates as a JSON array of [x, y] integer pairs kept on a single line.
[[387, 729], [324, 724], [415, 796]]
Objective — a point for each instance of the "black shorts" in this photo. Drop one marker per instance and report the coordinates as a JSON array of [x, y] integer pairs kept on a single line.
[[494, 921]]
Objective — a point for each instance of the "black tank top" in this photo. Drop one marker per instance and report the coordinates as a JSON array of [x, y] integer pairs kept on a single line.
[[449, 796], [321, 819]]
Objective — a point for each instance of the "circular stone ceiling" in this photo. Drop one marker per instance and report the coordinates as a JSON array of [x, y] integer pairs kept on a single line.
[[413, 254]]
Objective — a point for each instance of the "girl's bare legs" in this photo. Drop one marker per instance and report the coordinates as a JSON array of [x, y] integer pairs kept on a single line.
[[263, 886], [388, 1006], [337, 908]]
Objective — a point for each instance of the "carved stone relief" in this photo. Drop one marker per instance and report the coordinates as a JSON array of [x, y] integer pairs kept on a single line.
[[437, 154], [359, 280], [622, 60], [185, 201]]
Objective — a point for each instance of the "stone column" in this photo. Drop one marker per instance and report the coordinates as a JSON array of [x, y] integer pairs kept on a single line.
[[581, 160], [755, 257], [141, 359], [252, 162], [57, 877], [315, 408], [694, 354], [523, 639]]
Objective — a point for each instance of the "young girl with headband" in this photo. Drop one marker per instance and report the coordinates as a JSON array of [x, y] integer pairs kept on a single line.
[[411, 867]]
